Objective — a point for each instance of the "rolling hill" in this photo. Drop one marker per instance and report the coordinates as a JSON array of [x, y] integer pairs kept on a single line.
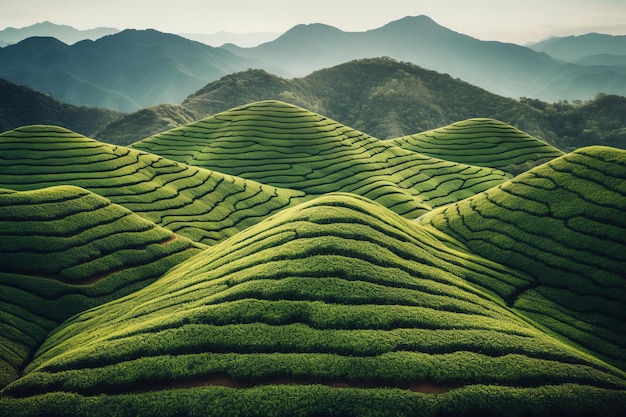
[[203, 205], [289, 147], [563, 224], [482, 142], [64, 250], [333, 306]]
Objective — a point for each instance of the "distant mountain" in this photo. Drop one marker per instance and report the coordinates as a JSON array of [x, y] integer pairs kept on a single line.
[[64, 33], [125, 71], [502, 68], [575, 48], [603, 59], [240, 39], [20, 106]]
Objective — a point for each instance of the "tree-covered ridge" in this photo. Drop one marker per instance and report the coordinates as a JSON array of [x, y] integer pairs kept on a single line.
[[289, 147], [563, 225], [64, 250], [335, 291], [482, 142], [203, 205]]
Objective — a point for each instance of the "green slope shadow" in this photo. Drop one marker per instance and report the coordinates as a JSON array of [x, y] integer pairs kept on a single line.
[[338, 291], [564, 225], [289, 147], [64, 250], [482, 142], [203, 205]]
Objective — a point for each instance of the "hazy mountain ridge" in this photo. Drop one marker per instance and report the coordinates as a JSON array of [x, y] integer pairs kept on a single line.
[[163, 71], [505, 69], [582, 47], [64, 33], [127, 71]]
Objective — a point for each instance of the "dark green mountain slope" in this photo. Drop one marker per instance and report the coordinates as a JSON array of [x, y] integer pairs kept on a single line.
[[64, 250], [203, 205], [333, 307], [125, 71], [289, 147], [563, 224], [21, 106], [482, 142]]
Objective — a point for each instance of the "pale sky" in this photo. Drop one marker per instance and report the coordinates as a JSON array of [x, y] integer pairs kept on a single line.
[[517, 21]]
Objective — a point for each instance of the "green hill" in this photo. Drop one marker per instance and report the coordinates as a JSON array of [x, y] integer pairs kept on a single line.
[[64, 250], [202, 205], [482, 142], [563, 224], [289, 147], [334, 307]]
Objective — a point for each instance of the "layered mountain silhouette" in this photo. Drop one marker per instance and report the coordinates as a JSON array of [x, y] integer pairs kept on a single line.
[[133, 69], [502, 68], [292, 277], [64, 33], [583, 48], [126, 71]]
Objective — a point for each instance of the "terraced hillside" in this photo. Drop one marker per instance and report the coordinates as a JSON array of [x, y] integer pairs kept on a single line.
[[64, 250], [202, 205], [483, 142], [564, 225], [334, 307], [289, 147]]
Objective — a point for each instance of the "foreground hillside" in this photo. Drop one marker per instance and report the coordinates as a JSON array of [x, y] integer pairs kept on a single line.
[[324, 272], [64, 250]]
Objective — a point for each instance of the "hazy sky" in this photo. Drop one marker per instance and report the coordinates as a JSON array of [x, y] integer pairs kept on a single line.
[[516, 21]]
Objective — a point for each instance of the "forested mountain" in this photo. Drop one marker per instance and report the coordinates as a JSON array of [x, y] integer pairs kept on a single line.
[[20, 106], [388, 99]]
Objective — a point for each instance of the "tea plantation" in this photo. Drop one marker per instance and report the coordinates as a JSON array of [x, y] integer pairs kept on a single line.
[[268, 261]]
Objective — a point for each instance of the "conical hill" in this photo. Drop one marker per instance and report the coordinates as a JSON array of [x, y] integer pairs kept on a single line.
[[290, 147], [335, 303], [63, 250], [564, 225], [482, 142], [203, 205]]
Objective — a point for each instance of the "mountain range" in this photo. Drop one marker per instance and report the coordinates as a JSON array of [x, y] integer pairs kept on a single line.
[[269, 260], [125, 71], [390, 99], [64, 33], [133, 69]]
